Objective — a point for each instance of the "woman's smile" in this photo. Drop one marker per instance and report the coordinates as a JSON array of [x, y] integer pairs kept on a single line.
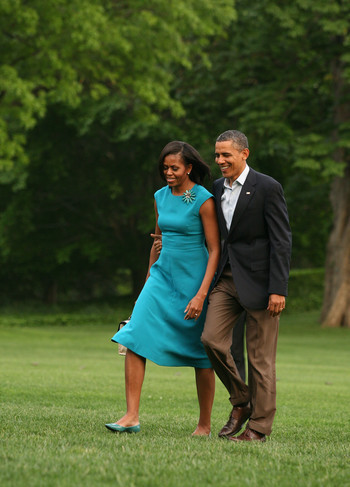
[[176, 172]]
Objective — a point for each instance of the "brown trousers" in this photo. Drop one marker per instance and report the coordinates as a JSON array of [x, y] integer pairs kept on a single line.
[[261, 340]]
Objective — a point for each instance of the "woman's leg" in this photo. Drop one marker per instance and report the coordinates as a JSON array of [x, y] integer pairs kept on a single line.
[[134, 375], [205, 381]]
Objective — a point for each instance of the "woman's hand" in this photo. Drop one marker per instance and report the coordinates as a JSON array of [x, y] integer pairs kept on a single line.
[[194, 308], [157, 242]]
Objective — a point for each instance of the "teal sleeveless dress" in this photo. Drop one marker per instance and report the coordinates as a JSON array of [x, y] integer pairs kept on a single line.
[[157, 329]]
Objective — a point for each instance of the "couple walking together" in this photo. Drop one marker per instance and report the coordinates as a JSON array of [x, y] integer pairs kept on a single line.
[[239, 237]]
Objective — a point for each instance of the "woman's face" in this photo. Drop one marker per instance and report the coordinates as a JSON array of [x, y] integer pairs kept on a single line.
[[175, 171]]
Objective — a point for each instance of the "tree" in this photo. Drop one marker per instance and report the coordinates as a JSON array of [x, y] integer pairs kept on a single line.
[[82, 87], [323, 31], [75, 52], [284, 73]]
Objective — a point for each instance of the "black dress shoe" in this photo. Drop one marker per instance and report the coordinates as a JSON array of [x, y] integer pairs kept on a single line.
[[248, 435], [238, 416]]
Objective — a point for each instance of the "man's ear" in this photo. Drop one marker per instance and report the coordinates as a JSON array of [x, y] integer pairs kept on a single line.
[[245, 152]]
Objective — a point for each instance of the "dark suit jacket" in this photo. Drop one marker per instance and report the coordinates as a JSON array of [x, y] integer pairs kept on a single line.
[[258, 244]]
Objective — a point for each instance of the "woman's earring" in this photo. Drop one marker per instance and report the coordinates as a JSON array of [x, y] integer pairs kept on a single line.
[[188, 173]]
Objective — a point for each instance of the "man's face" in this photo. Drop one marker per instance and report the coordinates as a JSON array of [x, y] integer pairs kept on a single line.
[[230, 159]]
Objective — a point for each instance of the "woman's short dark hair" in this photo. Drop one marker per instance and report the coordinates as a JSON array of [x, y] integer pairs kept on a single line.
[[189, 155]]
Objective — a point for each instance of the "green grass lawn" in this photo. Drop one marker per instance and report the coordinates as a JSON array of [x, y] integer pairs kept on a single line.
[[61, 380]]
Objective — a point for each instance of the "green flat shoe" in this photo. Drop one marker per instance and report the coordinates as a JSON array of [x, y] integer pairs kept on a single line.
[[123, 429]]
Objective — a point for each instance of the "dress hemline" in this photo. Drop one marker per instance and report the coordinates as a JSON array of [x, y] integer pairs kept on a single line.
[[162, 364]]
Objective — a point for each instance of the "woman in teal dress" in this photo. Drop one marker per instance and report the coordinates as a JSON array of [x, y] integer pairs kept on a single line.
[[168, 317]]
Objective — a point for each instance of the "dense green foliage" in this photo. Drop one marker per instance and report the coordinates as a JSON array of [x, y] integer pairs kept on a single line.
[[305, 290], [90, 91], [103, 57], [83, 84], [62, 380]]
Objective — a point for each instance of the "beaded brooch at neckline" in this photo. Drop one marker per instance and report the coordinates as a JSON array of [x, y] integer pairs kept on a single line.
[[189, 196]]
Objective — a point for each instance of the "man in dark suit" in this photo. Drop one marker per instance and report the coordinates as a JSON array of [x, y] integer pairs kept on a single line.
[[252, 277]]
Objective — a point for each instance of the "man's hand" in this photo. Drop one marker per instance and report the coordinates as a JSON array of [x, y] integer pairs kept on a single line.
[[277, 303], [157, 242]]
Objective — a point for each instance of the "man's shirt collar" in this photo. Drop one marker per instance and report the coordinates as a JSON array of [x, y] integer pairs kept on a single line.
[[240, 180]]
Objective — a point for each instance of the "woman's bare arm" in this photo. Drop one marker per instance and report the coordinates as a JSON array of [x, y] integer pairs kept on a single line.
[[154, 253], [208, 216]]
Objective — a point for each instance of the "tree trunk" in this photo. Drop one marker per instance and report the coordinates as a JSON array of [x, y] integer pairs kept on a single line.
[[336, 303]]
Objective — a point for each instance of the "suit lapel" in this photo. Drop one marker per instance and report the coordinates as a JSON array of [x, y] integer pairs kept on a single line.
[[247, 192], [217, 194]]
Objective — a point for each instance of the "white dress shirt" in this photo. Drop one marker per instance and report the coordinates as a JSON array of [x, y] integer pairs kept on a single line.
[[230, 195]]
